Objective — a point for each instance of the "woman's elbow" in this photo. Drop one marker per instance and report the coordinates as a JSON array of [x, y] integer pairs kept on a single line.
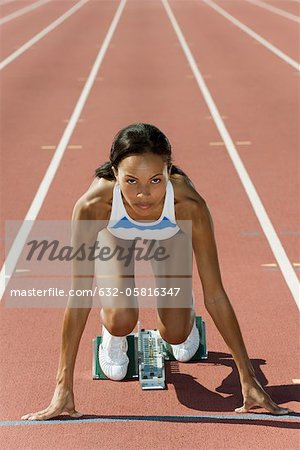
[[215, 299]]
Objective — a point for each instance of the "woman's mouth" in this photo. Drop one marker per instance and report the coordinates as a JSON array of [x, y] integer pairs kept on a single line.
[[143, 205]]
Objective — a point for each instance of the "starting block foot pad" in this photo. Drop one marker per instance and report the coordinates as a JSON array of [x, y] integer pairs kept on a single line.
[[138, 353], [201, 353], [132, 371]]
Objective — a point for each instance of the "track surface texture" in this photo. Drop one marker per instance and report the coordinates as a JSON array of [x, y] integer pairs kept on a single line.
[[145, 76]]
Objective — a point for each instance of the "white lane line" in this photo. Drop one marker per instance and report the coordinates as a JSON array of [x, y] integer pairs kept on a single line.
[[254, 35], [276, 10], [20, 240], [261, 214], [22, 11], [42, 34]]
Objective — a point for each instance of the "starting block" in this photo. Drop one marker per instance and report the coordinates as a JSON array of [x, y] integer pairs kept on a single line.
[[147, 353]]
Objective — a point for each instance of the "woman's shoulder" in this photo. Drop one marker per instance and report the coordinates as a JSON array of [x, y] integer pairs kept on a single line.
[[188, 201], [95, 203]]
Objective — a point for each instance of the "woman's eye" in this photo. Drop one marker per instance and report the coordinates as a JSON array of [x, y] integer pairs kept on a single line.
[[157, 180], [130, 181]]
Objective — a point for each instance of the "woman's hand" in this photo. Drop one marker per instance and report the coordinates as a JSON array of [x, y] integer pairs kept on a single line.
[[62, 401], [255, 396]]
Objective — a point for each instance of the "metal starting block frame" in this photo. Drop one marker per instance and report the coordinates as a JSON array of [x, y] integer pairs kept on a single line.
[[147, 353]]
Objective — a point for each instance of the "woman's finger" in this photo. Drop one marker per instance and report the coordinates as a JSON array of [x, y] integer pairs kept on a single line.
[[269, 405], [275, 409], [26, 416]]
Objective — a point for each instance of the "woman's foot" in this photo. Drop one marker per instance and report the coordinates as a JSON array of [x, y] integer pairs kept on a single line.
[[113, 357], [185, 351]]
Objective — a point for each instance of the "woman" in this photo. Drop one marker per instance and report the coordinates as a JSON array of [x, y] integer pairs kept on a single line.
[[140, 186]]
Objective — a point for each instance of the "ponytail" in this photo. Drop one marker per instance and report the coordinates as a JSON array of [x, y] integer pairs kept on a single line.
[[105, 171], [176, 169]]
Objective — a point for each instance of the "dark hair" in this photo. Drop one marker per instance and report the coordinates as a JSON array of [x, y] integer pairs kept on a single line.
[[136, 139]]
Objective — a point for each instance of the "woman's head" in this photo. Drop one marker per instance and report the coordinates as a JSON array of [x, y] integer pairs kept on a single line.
[[141, 162], [135, 139], [143, 179]]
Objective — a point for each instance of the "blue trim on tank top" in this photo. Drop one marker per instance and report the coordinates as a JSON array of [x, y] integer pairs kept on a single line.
[[126, 223]]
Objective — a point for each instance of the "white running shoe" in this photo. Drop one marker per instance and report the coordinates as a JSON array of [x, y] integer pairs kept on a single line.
[[185, 351], [113, 357]]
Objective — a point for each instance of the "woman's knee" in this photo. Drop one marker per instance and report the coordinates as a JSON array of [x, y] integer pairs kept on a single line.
[[174, 337], [175, 324], [119, 321]]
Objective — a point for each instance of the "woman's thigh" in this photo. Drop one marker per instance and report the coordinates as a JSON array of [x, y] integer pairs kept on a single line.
[[114, 271], [173, 275]]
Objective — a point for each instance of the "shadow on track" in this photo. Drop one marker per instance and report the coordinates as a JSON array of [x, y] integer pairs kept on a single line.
[[195, 396], [266, 422]]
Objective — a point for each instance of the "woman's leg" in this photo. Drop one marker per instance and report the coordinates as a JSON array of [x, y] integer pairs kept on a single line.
[[175, 324], [174, 276], [176, 316], [115, 277]]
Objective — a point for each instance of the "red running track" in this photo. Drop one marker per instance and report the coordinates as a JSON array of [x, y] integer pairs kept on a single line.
[[146, 77]]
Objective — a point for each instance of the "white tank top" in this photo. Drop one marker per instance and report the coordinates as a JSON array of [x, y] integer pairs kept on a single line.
[[124, 227]]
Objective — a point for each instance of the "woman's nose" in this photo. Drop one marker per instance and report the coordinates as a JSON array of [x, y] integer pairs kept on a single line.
[[143, 191]]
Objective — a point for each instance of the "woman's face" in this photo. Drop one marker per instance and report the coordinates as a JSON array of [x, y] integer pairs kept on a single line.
[[143, 180]]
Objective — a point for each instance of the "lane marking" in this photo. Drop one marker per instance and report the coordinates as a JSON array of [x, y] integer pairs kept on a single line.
[[83, 79], [48, 147], [276, 10], [216, 143], [74, 147], [41, 34], [275, 265], [296, 380], [45, 184], [209, 117], [290, 232], [196, 418], [79, 120], [250, 233], [280, 255], [243, 142], [22, 11], [254, 35]]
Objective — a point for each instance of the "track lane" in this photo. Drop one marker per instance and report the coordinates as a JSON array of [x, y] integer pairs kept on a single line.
[[292, 6], [94, 117], [276, 10], [25, 10], [12, 6], [268, 133], [261, 22], [22, 29], [253, 196], [41, 117], [194, 389]]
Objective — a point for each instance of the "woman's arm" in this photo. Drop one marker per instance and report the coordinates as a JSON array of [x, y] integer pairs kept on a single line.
[[84, 232], [220, 309]]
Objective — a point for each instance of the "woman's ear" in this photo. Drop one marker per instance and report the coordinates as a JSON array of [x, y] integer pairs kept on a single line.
[[115, 172]]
